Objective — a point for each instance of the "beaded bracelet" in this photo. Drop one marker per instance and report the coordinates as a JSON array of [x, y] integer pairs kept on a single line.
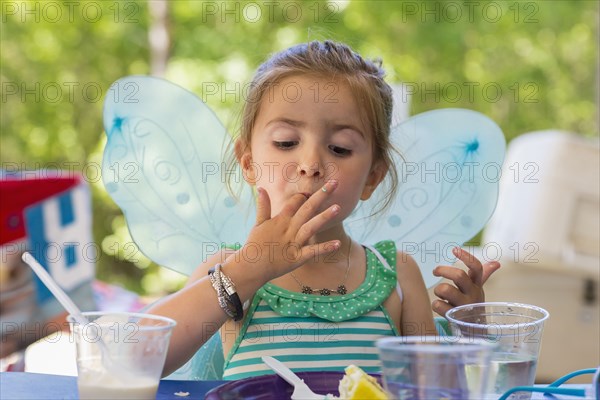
[[229, 300]]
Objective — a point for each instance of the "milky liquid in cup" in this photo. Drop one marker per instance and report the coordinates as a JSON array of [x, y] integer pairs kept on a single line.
[[107, 387], [118, 358]]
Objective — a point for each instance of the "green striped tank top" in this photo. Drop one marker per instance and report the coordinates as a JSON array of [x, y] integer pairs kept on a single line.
[[318, 333]]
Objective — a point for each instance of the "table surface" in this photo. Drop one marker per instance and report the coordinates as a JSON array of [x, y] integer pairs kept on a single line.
[[30, 386]]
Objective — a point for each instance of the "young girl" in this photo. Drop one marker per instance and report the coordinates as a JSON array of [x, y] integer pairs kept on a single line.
[[314, 141]]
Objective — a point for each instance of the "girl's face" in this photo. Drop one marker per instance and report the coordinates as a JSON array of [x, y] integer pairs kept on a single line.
[[309, 130]]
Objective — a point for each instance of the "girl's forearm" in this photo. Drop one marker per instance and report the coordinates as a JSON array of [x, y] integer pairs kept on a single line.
[[198, 314]]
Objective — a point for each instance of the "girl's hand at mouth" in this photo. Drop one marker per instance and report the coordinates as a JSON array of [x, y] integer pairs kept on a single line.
[[278, 244]]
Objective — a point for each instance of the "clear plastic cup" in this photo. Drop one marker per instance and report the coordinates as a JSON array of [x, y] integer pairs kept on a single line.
[[516, 328], [434, 367], [120, 355]]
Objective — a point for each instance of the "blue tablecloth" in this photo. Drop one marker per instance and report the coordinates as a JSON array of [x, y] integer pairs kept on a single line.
[[28, 386]]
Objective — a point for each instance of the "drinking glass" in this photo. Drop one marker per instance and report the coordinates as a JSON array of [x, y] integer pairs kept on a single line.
[[516, 328], [434, 367], [120, 355]]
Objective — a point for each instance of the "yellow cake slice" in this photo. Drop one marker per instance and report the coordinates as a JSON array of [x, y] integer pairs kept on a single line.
[[358, 385]]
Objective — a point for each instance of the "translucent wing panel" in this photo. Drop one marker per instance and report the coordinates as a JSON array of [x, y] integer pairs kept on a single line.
[[163, 166], [449, 174]]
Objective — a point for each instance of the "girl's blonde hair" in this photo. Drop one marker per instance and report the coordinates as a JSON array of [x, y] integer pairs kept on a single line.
[[338, 62]]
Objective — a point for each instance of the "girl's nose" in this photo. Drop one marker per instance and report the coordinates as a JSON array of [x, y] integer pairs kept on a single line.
[[312, 169]]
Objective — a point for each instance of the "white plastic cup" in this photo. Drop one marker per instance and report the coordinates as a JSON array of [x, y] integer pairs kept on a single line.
[[516, 329], [434, 367], [120, 355]]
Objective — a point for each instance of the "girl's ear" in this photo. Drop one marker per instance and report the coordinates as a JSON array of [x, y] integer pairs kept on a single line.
[[244, 157], [378, 172]]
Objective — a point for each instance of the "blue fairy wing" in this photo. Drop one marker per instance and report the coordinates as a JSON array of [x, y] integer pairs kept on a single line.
[[163, 166], [449, 171]]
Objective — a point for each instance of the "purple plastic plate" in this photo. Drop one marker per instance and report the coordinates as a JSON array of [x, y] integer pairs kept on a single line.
[[274, 387]]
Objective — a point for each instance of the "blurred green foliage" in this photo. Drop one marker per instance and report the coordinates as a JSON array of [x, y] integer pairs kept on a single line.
[[529, 65]]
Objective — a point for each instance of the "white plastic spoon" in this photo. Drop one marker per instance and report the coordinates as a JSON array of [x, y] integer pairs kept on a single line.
[[75, 312], [301, 389], [51, 284]]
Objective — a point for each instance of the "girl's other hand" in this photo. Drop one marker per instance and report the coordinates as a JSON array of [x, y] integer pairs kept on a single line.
[[278, 245], [469, 284]]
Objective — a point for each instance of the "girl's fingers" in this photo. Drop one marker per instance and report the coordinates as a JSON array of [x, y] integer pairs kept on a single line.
[[310, 208], [449, 293], [441, 307], [292, 206], [263, 206], [319, 249], [474, 265], [468, 284], [312, 226], [488, 269], [456, 275]]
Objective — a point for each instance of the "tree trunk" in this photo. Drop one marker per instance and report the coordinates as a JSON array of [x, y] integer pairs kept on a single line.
[[158, 37]]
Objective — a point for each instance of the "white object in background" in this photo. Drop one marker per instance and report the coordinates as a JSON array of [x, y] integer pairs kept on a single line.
[[570, 339], [401, 96], [549, 205], [546, 233], [54, 354]]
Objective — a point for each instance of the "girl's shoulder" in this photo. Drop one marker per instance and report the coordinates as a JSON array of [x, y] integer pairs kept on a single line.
[[404, 262], [389, 251], [387, 248], [382, 260]]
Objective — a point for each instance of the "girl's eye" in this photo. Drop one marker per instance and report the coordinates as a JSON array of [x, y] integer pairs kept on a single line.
[[287, 144], [340, 151]]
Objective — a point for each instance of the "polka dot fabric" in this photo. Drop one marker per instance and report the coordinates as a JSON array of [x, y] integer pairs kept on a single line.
[[377, 286]]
